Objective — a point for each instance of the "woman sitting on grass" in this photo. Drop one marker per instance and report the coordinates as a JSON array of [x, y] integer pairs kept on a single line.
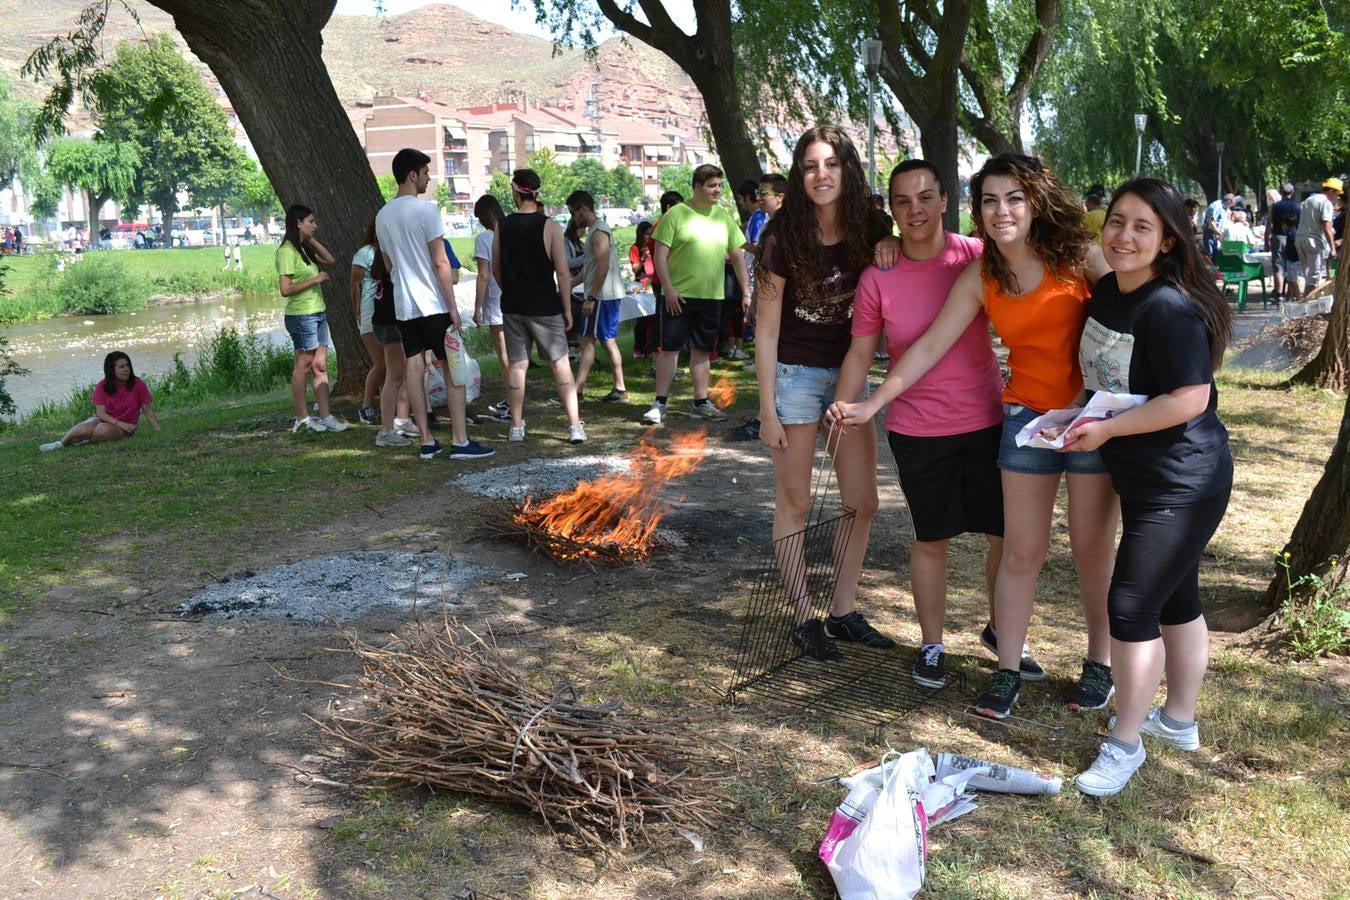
[[1157, 326], [298, 279], [119, 399]]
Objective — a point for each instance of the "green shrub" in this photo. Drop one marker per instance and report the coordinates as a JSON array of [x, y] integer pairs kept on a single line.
[[100, 284], [1316, 611]]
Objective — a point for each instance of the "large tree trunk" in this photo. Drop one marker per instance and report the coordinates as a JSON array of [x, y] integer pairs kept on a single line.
[[1323, 528], [268, 57], [939, 141], [1330, 368]]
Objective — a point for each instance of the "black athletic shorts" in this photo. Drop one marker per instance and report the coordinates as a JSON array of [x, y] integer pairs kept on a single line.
[[1156, 580], [425, 333], [951, 483], [697, 326]]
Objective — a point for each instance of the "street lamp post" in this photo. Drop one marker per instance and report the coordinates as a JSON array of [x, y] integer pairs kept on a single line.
[[871, 54], [1140, 123], [1218, 190]]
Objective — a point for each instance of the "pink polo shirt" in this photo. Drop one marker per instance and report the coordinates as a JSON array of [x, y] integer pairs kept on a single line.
[[961, 393], [125, 405]]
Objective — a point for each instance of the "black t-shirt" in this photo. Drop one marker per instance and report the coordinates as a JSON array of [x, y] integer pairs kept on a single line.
[[1284, 217], [1152, 341], [528, 288], [816, 332]]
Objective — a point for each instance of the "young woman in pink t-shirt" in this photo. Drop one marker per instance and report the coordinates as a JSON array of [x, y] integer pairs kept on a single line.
[[119, 401]]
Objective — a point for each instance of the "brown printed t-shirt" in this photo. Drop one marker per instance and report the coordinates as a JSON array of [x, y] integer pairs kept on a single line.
[[816, 332]]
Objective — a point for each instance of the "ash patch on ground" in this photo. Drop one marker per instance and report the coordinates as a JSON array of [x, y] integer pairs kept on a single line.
[[336, 588], [541, 477], [1281, 345]]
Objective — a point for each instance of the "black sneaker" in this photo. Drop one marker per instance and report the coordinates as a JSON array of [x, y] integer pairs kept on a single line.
[[430, 451], [1094, 688], [471, 450], [811, 637], [369, 415], [500, 410], [1027, 666], [854, 628], [615, 396], [998, 700], [930, 669]]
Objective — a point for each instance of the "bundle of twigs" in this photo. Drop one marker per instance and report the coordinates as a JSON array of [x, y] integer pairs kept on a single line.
[[505, 521], [445, 709]]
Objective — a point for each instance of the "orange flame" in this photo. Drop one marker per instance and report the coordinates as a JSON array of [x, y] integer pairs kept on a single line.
[[617, 513], [723, 392]]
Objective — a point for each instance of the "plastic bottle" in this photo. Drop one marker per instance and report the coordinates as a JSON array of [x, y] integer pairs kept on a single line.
[[1001, 779]]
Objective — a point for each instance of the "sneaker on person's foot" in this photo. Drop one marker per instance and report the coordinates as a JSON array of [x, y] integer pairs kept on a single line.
[[430, 451], [1111, 771], [1027, 666], [576, 434], [855, 629], [500, 410], [1094, 687], [998, 700], [810, 636], [1187, 738], [471, 450], [930, 669], [706, 411], [308, 423], [50, 445], [615, 396], [656, 415], [749, 366], [391, 439], [516, 433], [333, 423], [407, 428], [368, 415]]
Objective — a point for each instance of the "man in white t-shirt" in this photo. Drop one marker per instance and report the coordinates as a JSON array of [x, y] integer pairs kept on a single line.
[[410, 233], [1315, 237], [487, 306]]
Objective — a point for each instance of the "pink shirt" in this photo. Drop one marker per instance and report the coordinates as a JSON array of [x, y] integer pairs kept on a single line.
[[961, 393], [125, 405]]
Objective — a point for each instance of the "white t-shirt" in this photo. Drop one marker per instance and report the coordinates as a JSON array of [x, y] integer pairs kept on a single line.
[[612, 288], [405, 226], [482, 251], [1316, 209]]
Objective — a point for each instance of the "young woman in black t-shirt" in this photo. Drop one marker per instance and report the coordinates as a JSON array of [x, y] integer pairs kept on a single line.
[[1157, 326], [812, 253]]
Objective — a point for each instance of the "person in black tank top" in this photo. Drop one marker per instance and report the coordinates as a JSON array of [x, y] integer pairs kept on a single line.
[[529, 261]]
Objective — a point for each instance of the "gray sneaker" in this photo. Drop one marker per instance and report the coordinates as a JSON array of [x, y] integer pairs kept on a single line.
[[391, 439], [333, 423], [706, 411], [656, 415]]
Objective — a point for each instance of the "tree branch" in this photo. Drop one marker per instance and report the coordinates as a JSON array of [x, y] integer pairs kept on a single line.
[[1035, 52]]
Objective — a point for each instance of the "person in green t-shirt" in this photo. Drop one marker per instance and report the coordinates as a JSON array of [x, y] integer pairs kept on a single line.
[[298, 279], [693, 241]]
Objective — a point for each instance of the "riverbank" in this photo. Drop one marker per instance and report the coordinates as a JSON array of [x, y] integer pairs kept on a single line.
[[155, 756]]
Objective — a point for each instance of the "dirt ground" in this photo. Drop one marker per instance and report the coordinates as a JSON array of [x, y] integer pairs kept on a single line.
[[148, 756]]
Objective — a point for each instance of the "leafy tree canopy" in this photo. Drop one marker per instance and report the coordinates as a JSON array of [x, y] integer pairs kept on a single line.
[[18, 149]]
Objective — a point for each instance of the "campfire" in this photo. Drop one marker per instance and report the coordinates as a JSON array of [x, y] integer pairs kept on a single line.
[[611, 519]]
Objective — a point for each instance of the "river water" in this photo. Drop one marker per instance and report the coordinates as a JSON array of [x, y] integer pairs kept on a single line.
[[68, 350]]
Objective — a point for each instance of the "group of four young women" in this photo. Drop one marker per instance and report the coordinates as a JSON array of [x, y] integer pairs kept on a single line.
[[1136, 314]]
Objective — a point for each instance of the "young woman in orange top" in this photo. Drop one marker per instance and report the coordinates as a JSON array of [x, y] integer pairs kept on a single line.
[[1033, 281]]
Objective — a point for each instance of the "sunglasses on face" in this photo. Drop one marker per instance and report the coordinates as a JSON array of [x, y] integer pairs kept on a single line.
[[763, 194]]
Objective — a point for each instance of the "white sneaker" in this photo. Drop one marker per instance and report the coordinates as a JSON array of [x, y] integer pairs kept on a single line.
[[407, 428], [391, 439], [50, 445], [1187, 739], [656, 415], [333, 423], [308, 424], [1111, 771], [576, 434], [516, 433]]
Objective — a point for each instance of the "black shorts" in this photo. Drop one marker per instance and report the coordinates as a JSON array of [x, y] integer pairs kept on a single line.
[[424, 333], [1156, 580], [696, 326], [951, 483]]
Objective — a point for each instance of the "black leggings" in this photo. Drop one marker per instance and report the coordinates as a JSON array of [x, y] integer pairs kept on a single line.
[[1157, 576]]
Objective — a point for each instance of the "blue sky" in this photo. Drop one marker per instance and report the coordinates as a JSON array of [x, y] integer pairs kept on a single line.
[[517, 17]]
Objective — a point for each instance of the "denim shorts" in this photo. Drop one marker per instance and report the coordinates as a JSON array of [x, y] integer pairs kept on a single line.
[[801, 394], [1039, 460], [308, 332]]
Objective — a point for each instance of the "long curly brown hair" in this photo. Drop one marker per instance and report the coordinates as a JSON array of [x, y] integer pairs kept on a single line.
[[1058, 235], [795, 227]]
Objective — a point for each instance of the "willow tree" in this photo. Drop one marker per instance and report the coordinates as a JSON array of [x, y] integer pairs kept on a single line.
[[268, 57]]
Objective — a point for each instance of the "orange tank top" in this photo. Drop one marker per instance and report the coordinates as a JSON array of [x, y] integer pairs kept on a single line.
[[1041, 330]]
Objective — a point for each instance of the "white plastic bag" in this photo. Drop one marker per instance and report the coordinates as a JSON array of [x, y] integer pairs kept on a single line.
[[436, 394], [1057, 422], [457, 359], [877, 842], [474, 386]]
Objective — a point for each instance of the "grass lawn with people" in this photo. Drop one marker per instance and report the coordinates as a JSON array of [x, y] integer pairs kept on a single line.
[[1262, 809]]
